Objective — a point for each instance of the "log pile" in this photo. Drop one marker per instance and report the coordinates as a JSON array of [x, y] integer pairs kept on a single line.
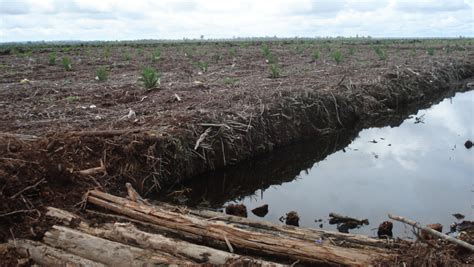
[[134, 232]]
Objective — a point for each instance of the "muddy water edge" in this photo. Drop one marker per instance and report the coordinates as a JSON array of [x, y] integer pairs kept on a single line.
[[412, 163]]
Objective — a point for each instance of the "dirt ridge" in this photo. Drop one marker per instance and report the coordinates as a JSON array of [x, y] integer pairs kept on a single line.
[[150, 157]]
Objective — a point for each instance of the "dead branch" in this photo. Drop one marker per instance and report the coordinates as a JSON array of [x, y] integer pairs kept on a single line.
[[106, 133], [202, 137], [28, 188], [433, 232], [95, 170]]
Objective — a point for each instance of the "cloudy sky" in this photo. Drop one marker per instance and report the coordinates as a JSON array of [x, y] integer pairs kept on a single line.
[[23, 20]]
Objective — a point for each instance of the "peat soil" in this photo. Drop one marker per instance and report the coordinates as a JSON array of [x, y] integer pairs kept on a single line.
[[63, 132]]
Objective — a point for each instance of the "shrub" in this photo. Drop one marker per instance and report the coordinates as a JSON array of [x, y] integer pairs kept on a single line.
[[150, 77], [67, 64], [274, 71], [101, 74], [337, 56], [52, 59]]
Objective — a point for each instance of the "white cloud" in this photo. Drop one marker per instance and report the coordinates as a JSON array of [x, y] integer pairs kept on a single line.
[[23, 20]]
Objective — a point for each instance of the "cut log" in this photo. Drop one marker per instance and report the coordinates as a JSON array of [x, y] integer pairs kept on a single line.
[[105, 251], [49, 256], [127, 233], [215, 233]]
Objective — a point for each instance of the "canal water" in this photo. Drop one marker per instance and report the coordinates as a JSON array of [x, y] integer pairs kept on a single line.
[[419, 169]]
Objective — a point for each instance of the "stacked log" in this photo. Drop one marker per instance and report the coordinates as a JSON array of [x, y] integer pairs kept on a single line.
[[141, 234]]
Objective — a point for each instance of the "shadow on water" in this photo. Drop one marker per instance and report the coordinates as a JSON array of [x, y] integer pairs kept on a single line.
[[349, 172]]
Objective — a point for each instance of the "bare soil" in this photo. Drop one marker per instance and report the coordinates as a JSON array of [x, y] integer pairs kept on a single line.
[[60, 122]]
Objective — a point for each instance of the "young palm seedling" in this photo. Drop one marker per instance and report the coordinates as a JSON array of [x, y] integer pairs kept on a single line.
[[52, 59], [101, 74], [66, 62], [430, 51], [150, 78], [156, 55], [274, 71], [337, 56], [381, 53], [316, 55], [203, 65]]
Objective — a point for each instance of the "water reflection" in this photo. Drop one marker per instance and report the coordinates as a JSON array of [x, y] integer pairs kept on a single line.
[[419, 170]]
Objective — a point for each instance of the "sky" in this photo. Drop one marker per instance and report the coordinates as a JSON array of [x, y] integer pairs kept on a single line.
[[36, 20]]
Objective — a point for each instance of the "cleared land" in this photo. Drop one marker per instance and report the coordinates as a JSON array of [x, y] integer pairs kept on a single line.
[[64, 132]]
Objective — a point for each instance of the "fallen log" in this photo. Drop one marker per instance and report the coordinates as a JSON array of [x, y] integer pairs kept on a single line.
[[215, 233], [127, 233], [48, 256], [433, 232], [309, 234], [105, 251]]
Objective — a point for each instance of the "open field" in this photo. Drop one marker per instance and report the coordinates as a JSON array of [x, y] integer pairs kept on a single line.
[[80, 117]]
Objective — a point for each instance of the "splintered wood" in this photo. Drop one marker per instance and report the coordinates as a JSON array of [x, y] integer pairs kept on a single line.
[[141, 234]]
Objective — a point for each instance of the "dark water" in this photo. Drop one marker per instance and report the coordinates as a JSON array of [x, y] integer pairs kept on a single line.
[[420, 170]]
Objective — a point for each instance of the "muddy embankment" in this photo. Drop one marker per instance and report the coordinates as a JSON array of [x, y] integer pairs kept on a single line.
[[58, 168]]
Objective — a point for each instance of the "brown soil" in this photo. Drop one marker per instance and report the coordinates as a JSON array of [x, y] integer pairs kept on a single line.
[[50, 132]]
